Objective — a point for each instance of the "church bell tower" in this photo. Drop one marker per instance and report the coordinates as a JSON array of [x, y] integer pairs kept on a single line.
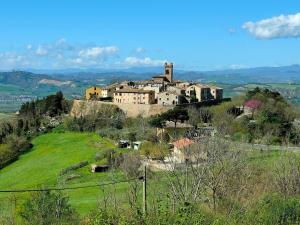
[[169, 72]]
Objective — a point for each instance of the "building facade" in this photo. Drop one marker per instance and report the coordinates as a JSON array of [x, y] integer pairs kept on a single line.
[[134, 96], [93, 93], [217, 93], [200, 92], [167, 76], [167, 98]]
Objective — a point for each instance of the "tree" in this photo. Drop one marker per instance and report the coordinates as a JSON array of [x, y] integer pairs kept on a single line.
[[212, 169], [176, 115], [130, 166], [223, 171], [199, 115], [154, 150], [157, 122], [287, 175], [47, 208]]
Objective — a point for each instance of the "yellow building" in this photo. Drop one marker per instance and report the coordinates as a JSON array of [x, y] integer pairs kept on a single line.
[[93, 93], [134, 96]]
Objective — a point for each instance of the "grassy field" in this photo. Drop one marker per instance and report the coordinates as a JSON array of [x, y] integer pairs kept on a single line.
[[4, 116], [52, 153]]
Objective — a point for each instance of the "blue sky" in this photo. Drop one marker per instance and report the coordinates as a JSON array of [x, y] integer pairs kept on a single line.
[[194, 34]]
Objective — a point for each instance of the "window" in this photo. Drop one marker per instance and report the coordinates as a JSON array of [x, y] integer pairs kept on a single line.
[[95, 88]]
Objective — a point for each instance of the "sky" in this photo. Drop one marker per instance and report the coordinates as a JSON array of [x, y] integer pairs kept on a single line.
[[193, 34]]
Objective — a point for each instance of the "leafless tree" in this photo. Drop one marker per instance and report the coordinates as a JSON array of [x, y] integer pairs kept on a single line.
[[287, 175], [131, 168], [225, 173], [212, 169]]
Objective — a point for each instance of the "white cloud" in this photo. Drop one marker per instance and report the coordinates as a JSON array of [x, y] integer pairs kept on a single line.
[[95, 52], [29, 47], [277, 27], [134, 61], [140, 50], [62, 54], [231, 30], [237, 66], [41, 51]]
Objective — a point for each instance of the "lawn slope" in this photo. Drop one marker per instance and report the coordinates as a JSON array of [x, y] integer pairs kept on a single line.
[[52, 153]]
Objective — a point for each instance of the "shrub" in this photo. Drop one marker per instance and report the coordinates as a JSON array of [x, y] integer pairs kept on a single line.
[[45, 208], [275, 209], [74, 167]]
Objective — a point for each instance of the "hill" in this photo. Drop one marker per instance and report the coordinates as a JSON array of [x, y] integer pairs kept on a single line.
[[52, 153], [17, 87]]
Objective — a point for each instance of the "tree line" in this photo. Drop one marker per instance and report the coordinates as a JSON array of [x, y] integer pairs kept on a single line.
[[33, 118]]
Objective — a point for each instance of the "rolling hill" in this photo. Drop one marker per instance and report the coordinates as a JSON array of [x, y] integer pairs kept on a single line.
[[52, 153]]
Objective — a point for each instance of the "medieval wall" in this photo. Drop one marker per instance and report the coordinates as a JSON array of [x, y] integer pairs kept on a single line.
[[81, 107]]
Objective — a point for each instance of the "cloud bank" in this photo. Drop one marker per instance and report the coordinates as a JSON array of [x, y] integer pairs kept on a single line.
[[61, 54], [284, 26]]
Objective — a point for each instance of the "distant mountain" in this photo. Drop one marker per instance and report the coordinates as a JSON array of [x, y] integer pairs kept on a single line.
[[284, 74], [21, 78]]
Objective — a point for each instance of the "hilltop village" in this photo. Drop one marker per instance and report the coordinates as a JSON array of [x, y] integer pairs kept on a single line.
[[161, 90]]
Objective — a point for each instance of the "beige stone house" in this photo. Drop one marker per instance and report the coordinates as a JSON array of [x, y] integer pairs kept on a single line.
[[216, 92], [180, 147], [167, 98], [176, 89], [108, 91], [157, 89], [202, 92], [134, 96]]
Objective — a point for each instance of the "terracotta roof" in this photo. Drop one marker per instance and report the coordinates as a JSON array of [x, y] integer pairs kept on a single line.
[[182, 143]]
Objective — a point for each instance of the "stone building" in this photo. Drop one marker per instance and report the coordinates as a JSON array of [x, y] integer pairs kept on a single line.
[[216, 92], [176, 89], [167, 76], [108, 91], [156, 89], [167, 98], [93, 93], [134, 96], [201, 92]]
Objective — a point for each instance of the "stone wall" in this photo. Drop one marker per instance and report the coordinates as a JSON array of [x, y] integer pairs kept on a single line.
[[81, 107]]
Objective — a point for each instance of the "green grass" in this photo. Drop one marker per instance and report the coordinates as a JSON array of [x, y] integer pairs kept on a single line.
[[4, 116], [9, 88], [52, 153]]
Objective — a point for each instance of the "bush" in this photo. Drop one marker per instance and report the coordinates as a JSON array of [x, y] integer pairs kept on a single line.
[[74, 167], [10, 151], [45, 208], [18, 144], [275, 209]]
